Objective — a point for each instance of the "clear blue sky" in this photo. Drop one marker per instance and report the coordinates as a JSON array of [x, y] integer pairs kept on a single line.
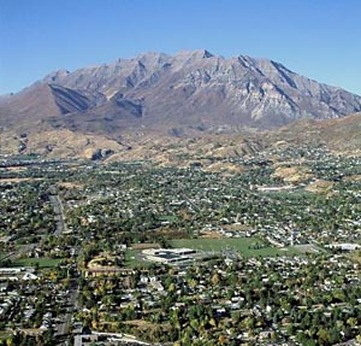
[[317, 38]]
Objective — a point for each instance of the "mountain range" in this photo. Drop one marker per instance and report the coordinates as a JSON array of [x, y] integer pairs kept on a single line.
[[189, 92]]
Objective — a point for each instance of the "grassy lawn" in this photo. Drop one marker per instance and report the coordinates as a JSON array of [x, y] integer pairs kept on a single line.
[[133, 260], [245, 246], [42, 262]]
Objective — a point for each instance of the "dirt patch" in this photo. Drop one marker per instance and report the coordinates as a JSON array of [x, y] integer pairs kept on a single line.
[[15, 168], [210, 235], [18, 180], [236, 227], [141, 324], [320, 186], [70, 186], [224, 167], [145, 246], [353, 178], [295, 174], [170, 233]]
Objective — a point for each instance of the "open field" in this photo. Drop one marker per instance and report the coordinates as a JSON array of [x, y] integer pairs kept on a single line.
[[42, 262], [247, 247], [306, 248], [18, 180], [244, 246], [133, 259]]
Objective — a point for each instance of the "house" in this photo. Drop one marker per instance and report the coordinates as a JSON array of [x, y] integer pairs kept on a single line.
[[29, 276]]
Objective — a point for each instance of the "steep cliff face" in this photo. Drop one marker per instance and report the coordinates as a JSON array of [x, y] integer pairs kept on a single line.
[[188, 90]]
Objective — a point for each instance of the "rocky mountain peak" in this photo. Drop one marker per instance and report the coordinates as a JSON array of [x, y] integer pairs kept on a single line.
[[191, 89]]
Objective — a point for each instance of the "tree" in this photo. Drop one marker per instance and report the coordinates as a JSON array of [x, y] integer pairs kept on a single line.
[[222, 340], [323, 336]]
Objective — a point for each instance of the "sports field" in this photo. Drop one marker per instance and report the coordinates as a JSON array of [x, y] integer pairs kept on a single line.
[[244, 246]]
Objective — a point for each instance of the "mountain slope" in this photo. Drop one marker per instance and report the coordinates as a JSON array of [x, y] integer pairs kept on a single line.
[[189, 90], [40, 102], [339, 135], [197, 88]]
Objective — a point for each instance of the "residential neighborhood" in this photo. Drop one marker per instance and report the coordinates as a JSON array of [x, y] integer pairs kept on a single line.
[[140, 254]]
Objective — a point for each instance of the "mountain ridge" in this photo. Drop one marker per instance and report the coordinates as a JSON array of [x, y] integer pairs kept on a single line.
[[177, 95]]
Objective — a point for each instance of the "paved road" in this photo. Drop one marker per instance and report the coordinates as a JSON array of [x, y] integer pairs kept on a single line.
[[64, 328], [59, 214], [23, 250], [60, 228]]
